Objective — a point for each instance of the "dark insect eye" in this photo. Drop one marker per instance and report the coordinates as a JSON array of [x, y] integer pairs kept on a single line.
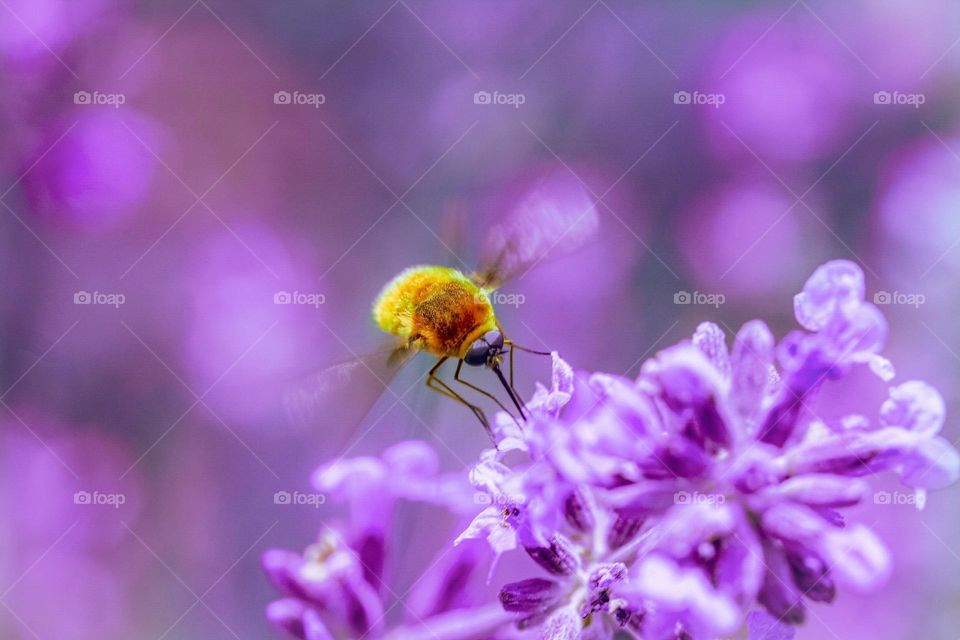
[[494, 339], [477, 355]]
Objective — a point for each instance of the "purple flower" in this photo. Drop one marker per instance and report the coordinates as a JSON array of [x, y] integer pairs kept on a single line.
[[701, 500], [336, 588], [674, 505]]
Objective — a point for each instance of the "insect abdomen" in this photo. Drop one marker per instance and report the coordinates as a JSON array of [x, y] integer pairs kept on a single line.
[[438, 306]]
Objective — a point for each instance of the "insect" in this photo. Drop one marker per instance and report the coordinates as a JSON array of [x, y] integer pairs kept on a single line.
[[448, 313], [444, 312]]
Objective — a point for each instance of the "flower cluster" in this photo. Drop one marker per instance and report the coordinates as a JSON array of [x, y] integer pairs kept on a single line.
[[703, 499]]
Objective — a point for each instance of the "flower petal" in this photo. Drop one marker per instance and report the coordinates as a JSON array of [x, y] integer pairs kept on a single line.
[[915, 406], [287, 614], [857, 558], [751, 361], [712, 342], [820, 490], [534, 595], [833, 286], [762, 626], [683, 591]]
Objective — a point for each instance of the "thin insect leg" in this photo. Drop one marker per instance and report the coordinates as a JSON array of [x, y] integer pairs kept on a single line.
[[445, 389], [527, 349], [456, 376], [513, 345]]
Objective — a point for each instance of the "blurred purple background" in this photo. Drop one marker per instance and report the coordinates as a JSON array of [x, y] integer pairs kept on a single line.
[[168, 168]]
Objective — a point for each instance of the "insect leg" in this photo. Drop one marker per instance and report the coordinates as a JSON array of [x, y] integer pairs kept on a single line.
[[514, 345], [456, 376], [436, 384]]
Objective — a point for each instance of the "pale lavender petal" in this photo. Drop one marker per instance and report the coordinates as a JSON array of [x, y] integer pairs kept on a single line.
[[833, 286], [857, 558], [861, 336], [751, 361], [794, 523], [478, 623], [689, 524], [412, 457], [709, 338], [821, 490], [882, 367], [281, 567], [491, 525], [550, 402], [287, 614], [921, 461], [683, 591], [762, 626], [915, 406]]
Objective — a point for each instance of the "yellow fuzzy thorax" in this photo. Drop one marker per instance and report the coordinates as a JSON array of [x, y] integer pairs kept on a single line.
[[437, 309]]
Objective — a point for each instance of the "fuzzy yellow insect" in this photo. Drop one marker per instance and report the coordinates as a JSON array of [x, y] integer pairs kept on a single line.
[[442, 311]]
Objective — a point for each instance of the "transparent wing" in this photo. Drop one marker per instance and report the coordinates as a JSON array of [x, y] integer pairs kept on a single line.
[[549, 221], [337, 398]]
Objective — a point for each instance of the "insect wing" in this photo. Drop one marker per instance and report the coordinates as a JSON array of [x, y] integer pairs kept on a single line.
[[551, 220], [337, 398]]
